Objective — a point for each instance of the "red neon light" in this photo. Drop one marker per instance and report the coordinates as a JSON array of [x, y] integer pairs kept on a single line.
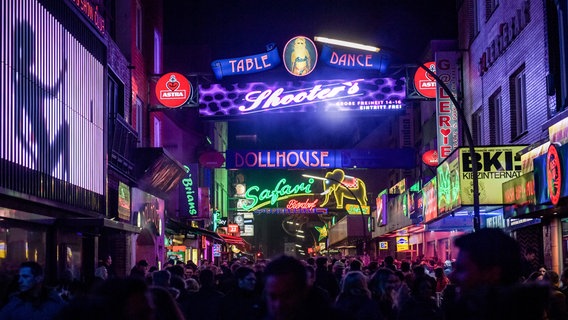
[[424, 83], [553, 174]]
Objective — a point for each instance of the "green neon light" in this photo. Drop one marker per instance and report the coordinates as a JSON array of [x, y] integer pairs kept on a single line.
[[280, 191]]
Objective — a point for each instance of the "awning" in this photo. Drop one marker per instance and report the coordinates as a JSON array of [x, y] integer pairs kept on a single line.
[[156, 170], [229, 239], [181, 228], [88, 223]]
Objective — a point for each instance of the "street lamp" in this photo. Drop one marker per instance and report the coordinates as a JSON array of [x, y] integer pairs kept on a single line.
[[365, 226], [459, 109]]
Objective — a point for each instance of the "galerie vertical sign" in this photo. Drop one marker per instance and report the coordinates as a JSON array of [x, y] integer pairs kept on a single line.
[[446, 112]]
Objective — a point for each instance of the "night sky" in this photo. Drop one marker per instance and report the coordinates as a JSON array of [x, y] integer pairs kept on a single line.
[[198, 32]]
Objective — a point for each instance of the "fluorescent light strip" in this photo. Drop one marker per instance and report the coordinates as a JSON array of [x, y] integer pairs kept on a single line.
[[347, 44]]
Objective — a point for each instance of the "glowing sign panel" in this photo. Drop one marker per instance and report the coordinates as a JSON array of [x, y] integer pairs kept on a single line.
[[363, 95]]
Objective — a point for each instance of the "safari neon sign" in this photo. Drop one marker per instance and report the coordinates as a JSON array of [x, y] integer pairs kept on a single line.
[[260, 198]]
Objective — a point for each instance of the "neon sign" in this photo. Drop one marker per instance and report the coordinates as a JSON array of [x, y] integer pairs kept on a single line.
[[276, 99], [248, 64], [279, 192], [189, 190], [281, 159], [554, 174], [380, 94]]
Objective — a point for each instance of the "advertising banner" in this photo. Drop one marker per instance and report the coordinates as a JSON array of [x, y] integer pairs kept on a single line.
[[354, 60], [372, 96], [446, 112], [449, 188], [382, 201], [245, 65], [430, 200], [495, 165]]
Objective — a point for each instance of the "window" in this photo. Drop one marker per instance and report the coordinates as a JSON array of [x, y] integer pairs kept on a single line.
[[115, 96], [476, 127], [495, 122], [140, 121], [157, 132], [490, 6], [475, 17], [517, 84], [138, 27], [157, 52]]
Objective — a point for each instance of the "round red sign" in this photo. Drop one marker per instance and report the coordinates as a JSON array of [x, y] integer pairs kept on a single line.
[[430, 158], [173, 90], [424, 83], [553, 174]]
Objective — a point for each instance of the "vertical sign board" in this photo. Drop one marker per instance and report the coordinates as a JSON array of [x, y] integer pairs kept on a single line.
[[446, 112], [430, 200], [448, 179], [123, 201], [381, 201], [188, 191]]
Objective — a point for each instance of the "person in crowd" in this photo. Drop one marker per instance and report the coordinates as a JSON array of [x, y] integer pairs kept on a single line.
[[33, 300], [315, 292], [556, 308], [166, 308], [106, 262], [529, 263], [389, 263], [442, 280], [162, 279], [139, 270], [338, 270], [356, 265], [354, 299], [487, 276], [564, 284], [325, 279], [242, 303], [383, 286], [422, 302], [116, 299], [286, 293], [208, 295]]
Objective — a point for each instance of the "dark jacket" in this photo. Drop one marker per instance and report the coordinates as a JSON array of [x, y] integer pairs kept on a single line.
[[24, 307]]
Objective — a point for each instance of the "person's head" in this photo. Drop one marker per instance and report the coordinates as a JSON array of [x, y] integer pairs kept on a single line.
[[487, 257], [30, 276], [551, 278], [107, 260], [285, 287], [355, 265], [389, 260], [101, 273], [142, 265], [530, 254], [207, 278], [423, 287], [188, 272], [311, 261], [161, 278], [321, 262], [246, 278], [355, 284], [384, 281], [338, 268]]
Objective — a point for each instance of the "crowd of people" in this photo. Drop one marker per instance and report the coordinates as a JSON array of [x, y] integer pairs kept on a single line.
[[487, 281]]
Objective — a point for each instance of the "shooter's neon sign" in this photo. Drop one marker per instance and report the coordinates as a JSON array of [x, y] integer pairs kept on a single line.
[[275, 99]]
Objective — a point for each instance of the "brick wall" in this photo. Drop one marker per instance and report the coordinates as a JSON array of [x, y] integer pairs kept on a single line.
[[528, 48]]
